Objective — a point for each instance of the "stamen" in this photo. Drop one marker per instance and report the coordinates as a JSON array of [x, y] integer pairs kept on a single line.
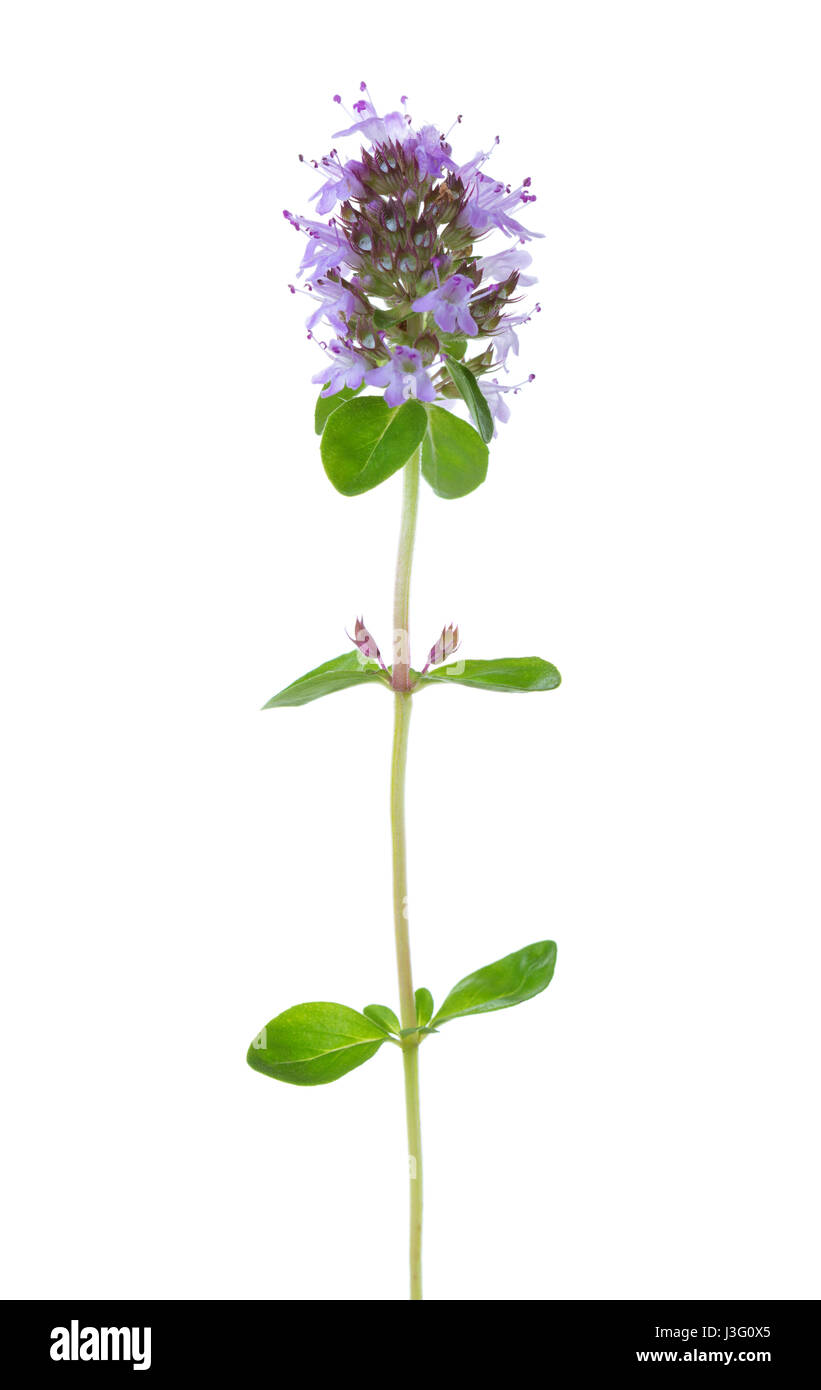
[[341, 103]]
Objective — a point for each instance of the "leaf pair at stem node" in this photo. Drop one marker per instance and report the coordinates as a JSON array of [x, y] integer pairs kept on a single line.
[[515, 674], [365, 441], [315, 1043]]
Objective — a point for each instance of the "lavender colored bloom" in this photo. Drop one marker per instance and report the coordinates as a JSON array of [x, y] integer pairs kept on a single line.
[[506, 339], [342, 182], [489, 204], [430, 151], [404, 376], [495, 269], [396, 270], [494, 394], [377, 129], [327, 247], [336, 305], [450, 305], [345, 367]]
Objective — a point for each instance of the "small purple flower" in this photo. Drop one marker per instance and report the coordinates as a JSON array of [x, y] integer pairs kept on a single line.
[[496, 269], [506, 339], [377, 129], [342, 182], [344, 368], [450, 305], [336, 304], [430, 151], [327, 247], [489, 204], [404, 376], [495, 394]]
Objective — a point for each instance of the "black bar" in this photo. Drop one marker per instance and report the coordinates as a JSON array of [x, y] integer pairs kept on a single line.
[[230, 1338]]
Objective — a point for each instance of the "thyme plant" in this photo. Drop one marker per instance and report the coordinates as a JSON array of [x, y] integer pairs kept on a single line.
[[416, 316]]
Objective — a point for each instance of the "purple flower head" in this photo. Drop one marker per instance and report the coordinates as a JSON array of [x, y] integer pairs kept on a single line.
[[450, 305], [404, 376], [345, 367], [405, 252]]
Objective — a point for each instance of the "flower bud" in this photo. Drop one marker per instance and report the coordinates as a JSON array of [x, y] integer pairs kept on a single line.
[[443, 648], [428, 345], [366, 644]]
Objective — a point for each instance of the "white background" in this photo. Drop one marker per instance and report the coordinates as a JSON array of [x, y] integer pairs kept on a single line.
[[181, 867]]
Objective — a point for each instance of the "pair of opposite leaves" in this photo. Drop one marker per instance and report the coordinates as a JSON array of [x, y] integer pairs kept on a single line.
[[314, 1043], [365, 441]]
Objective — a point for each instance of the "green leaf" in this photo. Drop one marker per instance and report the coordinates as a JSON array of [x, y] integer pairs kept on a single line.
[[365, 441], [472, 396], [385, 1017], [326, 405], [314, 1043], [336, 674], [424, 1007], [509, 981], [386, 318], [455, 347], [454, 458], [516, 673]]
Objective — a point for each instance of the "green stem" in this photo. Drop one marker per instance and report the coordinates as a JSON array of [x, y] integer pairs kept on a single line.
[[407, 1005], [404, 560], [411, 1060]]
